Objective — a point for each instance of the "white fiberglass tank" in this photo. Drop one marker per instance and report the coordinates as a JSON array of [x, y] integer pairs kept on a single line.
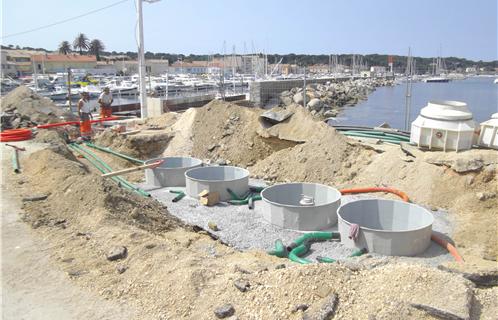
[[444, 125], [488, 136]]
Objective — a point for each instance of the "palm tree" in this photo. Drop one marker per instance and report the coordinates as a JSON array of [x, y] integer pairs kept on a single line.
[[81, 43], [96, 47], [64, 47]]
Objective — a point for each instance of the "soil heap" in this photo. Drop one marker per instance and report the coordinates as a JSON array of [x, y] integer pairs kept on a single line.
[[22, 107]]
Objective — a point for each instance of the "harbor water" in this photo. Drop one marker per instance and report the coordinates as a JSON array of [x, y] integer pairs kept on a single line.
[[387, 104]]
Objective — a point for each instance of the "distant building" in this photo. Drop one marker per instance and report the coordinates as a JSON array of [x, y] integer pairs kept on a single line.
[[471, 70], [319, 68], [252, 64], [153, 66], [378, 70], [194, 67], [16, 62], [53, 63], [286, 69]]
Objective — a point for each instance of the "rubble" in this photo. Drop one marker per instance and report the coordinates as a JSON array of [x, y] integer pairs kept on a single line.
[[325, 100], [23, 108]]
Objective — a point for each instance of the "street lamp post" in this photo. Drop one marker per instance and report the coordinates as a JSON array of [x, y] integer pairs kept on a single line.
[[141, 58]]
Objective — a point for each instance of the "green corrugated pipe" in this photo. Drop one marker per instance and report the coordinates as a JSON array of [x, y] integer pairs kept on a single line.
[[356, 253], [98, 166], [105, 168], [179, 195], [254, 197], [325, 259], [283, 251], [280, 250], [256, 189], [380, 133], [109, 150], [313, 236], [121, 179], [15, 161], [236, 196], [363, 135], [296, 253]]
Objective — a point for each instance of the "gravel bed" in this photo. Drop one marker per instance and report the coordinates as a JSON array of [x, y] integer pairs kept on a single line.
[[246, 229]]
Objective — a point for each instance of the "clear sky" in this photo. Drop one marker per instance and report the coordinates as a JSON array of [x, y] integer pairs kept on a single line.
[[463, 28]]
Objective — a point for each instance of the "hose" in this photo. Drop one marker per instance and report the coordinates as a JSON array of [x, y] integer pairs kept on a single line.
[[440, 241], [109, 150], [399, 193], [15, 135]]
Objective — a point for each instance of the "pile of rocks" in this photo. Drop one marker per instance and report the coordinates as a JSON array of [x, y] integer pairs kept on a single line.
[[23, 108], [325, 99]]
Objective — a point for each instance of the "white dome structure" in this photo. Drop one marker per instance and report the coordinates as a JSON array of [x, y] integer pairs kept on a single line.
[[488, 136], [444, 125]]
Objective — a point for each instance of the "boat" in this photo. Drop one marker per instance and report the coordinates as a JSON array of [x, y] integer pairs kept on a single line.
[[436, 79], [438, 75], [122, 87]]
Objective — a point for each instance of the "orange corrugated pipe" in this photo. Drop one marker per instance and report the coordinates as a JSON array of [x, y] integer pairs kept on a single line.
[[399, 193], [440, 241]]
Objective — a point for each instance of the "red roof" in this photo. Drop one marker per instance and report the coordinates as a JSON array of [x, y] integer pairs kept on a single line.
[[63, 58]]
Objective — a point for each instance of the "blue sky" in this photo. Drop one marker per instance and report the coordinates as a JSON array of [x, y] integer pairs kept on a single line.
[[463, 28]]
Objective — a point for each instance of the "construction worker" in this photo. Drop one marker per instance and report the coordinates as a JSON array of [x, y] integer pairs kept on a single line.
[[105, 101], [84, 112]]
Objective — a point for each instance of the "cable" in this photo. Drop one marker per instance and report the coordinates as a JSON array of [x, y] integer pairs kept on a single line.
[[64, 21]]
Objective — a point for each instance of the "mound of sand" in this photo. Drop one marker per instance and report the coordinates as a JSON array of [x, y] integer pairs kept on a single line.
[[222, 130], [72, 187], [28, 108], [144, 145]]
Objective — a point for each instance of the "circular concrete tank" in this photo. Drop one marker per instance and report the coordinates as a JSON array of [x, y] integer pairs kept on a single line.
[[171, 173], [301, 206], [217, 179], [388, 227]]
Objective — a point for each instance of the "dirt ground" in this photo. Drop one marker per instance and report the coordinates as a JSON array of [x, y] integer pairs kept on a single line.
[[170, 271]]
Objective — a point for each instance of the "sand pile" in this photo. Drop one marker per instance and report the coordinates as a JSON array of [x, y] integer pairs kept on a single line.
[[323, 155], [143, 145], [223, 131], [71, 188], [22, 107]]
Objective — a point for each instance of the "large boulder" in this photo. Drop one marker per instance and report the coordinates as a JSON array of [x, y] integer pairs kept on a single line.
[[298, 98], [315, 104]]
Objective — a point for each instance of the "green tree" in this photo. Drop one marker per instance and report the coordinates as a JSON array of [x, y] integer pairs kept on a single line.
[[81, 43], [64, 47], [96, 47]]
